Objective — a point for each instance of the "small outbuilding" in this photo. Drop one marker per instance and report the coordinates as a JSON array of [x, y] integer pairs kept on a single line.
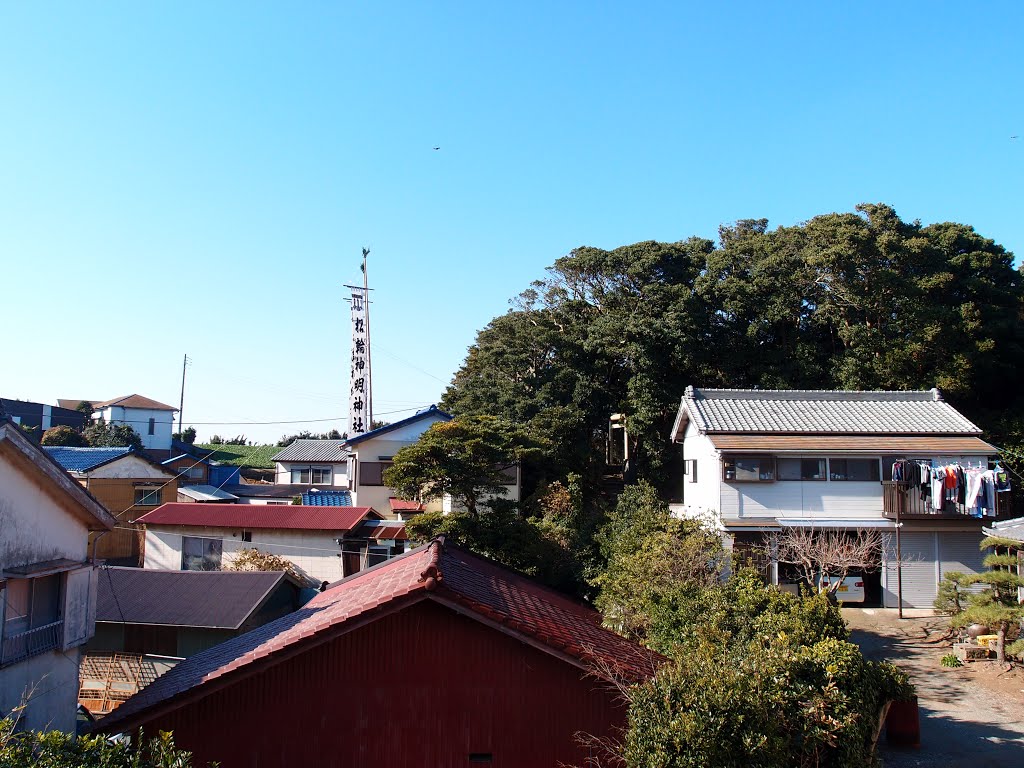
[[437, 657]]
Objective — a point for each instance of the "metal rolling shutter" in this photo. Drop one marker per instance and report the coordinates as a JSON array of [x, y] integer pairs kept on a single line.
[[919, 583], [959, 551]]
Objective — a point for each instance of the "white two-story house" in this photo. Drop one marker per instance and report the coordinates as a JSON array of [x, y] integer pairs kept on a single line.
[[152, 420], [47, 582], [759, 461]]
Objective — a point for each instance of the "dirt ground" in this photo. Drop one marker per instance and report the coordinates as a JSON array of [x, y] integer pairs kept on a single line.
[[971, 716]]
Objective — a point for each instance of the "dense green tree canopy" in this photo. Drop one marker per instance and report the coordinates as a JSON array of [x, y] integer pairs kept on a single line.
[[860, 300]]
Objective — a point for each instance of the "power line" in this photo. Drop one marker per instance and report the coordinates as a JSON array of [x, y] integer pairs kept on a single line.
[[263, 423]]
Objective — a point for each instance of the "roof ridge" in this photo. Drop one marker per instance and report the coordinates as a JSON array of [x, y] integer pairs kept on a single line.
[[431, 575]]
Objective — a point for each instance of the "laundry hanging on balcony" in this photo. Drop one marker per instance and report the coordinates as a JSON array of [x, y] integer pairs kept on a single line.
[[970, 490]]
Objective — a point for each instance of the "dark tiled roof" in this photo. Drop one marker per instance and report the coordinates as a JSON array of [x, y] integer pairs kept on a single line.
[[822, 412], [315, 498], [134, 401], [432, 411], [210, 599], [83, 459], [434, 571], [327, 451], [258, 516]]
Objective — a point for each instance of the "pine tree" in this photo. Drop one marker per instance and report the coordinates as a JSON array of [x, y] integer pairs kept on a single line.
[[996, 606]]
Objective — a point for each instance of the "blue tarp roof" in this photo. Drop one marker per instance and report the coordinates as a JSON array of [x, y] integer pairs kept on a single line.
[[83, 459], [327, 499]]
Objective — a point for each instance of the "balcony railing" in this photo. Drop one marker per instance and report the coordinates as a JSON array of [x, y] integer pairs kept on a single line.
[[901, 499], [35, 641]]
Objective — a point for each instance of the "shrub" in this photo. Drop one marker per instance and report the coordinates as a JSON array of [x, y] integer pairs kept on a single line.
[[64, 435], [252, 559], [55, 749], [768, 705], [951, 660]]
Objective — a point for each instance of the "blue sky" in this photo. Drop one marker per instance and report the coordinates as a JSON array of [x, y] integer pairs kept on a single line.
[[200, 178]]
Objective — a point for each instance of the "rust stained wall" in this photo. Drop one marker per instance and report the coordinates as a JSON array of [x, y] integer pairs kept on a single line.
[[118, 496], [424, 687]]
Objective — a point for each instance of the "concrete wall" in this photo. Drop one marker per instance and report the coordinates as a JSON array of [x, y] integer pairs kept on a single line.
[[315, 552]]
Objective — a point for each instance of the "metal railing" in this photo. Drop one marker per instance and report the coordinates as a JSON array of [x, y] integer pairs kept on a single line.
[[32, 642]]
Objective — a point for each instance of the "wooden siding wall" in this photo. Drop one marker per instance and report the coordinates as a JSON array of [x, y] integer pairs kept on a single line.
[[125, 543], [423, 687], [182, 467]]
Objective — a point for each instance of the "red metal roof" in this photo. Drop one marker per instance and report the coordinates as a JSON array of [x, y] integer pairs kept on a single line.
[[259, 516], [379, 532], [436, 571], [401, 505]]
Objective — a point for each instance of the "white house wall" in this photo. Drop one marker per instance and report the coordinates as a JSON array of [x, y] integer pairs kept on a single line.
[[703, 495], [339, 472], [132, 467], [138, 419], [35, 528], [798, 498], [315, 552]]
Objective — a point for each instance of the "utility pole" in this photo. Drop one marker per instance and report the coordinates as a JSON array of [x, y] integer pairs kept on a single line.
[[181, 405]]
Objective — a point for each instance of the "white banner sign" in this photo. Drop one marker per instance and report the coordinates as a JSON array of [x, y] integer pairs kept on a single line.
[[360, 412]]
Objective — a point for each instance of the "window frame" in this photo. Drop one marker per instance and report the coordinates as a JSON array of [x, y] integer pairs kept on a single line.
[[877, 464], [32, 620], [731, 460], [148, 491], [822, 464], [205, 555], [383, 465]]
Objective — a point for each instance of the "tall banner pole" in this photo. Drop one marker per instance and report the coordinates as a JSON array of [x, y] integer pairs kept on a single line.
[[360, 396], [369, 366]]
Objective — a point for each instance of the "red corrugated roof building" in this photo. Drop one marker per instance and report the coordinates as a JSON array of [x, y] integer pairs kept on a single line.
[[436, 658], [260, 516]]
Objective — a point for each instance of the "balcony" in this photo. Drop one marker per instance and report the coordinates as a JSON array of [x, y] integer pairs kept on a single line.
[[31, 643], [904, 500]]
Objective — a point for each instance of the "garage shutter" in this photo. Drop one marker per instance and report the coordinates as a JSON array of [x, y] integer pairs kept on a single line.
[[960, 552], [919, 581]]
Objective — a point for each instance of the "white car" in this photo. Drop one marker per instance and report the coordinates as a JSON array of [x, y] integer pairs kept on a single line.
[[851, 590]]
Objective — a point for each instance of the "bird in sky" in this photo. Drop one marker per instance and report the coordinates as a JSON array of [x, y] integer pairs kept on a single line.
[[437, 148], [1012, 137]]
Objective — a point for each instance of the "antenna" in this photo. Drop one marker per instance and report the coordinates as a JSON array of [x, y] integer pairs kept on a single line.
[[181, 407]]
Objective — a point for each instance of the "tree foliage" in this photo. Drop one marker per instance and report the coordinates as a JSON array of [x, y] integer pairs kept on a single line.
[[101, 434], [463, 458], [845, 300], [64, 435], [996, 605], [188, 436]]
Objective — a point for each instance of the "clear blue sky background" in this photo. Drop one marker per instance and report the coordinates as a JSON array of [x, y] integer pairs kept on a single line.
[[201, 177]]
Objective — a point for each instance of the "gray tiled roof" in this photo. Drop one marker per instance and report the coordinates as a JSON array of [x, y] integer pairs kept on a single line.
[[314, 450], [823, 412]]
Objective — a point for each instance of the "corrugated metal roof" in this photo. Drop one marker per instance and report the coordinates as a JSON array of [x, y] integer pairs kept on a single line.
[[206, 493], [83, 459], [315, 498], [435, 571], [402, 505], [259, 516], [134, 401], [822, 412], [211, 599], [381, 531], [873, 444], [330, 451]]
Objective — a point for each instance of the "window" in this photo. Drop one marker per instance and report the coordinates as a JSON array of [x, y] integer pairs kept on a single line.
[[200, 554], [377, 554], [196, 472], [147, 497], [300, 475], [862, 470], [370, 472], [690, 470], [748, 469], [32, 614], [321, 475], [247, 536], [152, 426], [801, 469], [509, 475]]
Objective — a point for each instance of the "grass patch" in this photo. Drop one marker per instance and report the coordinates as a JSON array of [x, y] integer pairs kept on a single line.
[[259, 456]]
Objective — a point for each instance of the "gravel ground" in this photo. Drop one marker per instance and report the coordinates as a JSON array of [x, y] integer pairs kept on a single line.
[[963, 724]]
